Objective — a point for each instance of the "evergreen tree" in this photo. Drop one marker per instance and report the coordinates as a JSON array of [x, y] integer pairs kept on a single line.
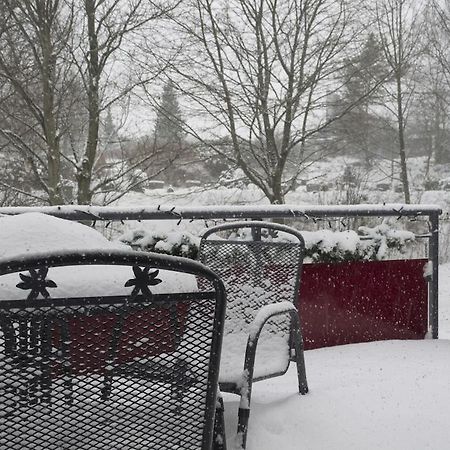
[[362, 75], [168, 135], [110, 134], [364, 71], [169, 123]]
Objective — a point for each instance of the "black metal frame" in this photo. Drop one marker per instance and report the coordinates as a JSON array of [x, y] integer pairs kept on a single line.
[[244, 387], [49, 308]]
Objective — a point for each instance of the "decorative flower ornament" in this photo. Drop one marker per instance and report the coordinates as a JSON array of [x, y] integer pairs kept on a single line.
[[37, 282], [143, 279]]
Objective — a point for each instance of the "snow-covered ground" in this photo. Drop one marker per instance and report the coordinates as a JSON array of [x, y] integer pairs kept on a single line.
[[392, 395]]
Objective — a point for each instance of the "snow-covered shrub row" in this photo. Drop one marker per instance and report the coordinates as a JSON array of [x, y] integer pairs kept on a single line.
[[321, 246], [172, 243], [370, 244]]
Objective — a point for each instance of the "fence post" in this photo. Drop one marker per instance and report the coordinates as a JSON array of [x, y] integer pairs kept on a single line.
[[433, 297]]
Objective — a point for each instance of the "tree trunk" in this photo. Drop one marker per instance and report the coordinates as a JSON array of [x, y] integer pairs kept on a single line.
[[401, 140], [277, 189], [84, 176], [53, 152], [49, 120]]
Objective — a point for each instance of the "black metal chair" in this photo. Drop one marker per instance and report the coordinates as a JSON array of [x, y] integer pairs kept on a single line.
[[260, 264], [132, 371]]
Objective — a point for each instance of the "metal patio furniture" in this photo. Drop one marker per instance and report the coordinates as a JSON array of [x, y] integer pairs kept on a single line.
[[135, 371], [260, 264]]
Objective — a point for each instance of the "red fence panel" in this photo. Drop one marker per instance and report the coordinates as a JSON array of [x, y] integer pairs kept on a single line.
[[363, 301], [147, 332]]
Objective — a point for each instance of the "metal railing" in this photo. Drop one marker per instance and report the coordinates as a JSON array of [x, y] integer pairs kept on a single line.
[[163, 212]]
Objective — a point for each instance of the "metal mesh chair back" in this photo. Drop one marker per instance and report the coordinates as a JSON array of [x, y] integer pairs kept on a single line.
[[260, 264], [129, 371]]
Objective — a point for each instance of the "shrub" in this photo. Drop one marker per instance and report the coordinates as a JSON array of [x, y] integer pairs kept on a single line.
[[171, 243], [324, 246]]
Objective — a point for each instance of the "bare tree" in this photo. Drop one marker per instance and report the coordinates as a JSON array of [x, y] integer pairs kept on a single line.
[[33, 40], [439, 33], [436, 91], [259, 72], [62, 65], [398, 30], [107, 28], [431, 112]]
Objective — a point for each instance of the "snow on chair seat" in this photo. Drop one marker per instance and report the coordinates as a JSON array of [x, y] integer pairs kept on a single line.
[[274, 352]]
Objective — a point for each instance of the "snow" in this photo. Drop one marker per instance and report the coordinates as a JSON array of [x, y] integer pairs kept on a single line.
[[272, 352], [391, 395], [428, 270], [214, 211], [29, 233], [383, 395], [329, 240], [265, 313]]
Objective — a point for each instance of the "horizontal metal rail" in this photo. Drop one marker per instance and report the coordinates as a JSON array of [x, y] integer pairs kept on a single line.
[[164, 212]]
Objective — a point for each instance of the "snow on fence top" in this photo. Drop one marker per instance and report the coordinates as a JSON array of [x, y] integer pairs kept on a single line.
[[80, 212]]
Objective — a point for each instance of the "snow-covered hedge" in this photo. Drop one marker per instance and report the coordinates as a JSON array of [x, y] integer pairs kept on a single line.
[[369, 244], [321, 246], [172, 243]]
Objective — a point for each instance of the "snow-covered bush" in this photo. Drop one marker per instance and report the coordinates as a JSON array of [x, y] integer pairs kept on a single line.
[[370, 244], [333, 246], [385, 237], [172, 243], [325, 246]]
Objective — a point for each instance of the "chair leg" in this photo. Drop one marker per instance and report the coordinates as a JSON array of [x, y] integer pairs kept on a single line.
[[66, 360], [219, 439], [244, 411], [299, 355], [111, 356], [107, 381], [180, 383], [243, 417]]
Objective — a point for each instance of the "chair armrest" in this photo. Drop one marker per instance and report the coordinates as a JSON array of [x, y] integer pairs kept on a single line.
[[263, 315]]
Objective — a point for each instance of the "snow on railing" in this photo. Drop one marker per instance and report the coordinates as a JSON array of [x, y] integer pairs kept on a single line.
[[80, 212]]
